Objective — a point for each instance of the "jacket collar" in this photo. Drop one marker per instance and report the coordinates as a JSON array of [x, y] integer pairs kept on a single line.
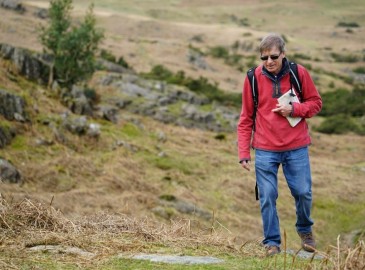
[[284, 70]]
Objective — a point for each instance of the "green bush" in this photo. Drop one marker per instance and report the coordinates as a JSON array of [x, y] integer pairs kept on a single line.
[[121, 61], [111, 58], [360, 70], [219, 52], [344, 101], [344, 110], [340, 124], [73, 47], [106, 55], [348, 24], [348, 58]]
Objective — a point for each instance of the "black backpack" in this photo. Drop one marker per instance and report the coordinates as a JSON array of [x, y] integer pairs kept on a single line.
[[294, 80]]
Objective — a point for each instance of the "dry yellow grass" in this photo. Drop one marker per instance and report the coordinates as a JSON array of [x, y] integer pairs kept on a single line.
[[92, 240]]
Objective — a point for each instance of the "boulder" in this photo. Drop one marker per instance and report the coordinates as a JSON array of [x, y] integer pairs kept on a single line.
[[26, 63], [13, 5], [12, 107], [8, 173]]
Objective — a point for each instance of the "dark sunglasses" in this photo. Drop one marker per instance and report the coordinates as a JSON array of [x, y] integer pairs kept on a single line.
[[272, 57]]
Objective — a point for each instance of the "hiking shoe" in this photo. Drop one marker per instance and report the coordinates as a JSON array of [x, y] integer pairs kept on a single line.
[[308, 242], [272, 250]]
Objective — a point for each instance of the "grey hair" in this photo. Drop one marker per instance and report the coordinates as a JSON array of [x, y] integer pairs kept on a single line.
[[272, 40]]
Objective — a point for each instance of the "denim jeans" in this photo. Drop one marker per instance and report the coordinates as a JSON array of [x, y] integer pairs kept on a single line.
[[297, 173]]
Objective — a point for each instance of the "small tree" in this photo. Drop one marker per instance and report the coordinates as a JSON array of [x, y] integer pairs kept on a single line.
[[72, 47]]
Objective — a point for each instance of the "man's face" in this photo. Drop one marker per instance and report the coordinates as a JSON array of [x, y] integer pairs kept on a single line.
[[273, 63]]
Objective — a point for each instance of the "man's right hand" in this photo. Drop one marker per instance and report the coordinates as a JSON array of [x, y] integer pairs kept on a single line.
[[246, 165]]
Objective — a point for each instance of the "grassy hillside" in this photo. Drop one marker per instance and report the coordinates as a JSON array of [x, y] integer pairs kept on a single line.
[[141, 168]]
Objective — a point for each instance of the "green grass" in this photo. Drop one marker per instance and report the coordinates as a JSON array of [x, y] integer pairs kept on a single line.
[[50, 261], [338, 216], [131, 130], [19, 143]]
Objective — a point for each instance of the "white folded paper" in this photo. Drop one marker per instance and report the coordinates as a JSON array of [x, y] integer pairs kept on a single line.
[[289, 98]]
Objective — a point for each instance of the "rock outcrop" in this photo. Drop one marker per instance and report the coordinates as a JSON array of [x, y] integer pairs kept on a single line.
[[33, 66], [8, 173], [12, 107]]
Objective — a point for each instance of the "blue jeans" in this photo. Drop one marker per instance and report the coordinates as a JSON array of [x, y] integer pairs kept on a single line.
[[297, 173]]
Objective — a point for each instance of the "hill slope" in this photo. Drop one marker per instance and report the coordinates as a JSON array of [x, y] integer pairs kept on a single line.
[[142, 167]]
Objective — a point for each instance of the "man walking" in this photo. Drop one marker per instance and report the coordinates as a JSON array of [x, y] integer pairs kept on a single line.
[[266, 129]]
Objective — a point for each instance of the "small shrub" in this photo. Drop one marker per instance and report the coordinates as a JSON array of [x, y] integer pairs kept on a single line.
[[107, 55], [122, 62], [243, 22], [220, 137], [251, 61], [219, 52], [234, 59], [360, 70], [344, 101], [339, 124], [348, 24], [168, 197], [349, 58], [197, 38]]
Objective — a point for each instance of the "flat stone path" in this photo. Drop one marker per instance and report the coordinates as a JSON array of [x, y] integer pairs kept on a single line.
[[304, 254], [175, 259]]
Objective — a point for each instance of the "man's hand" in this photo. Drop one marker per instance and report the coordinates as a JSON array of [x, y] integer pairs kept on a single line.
[[246, 165], [284, 110]]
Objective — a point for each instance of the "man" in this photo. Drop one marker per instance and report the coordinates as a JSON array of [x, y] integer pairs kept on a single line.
[[276, 142]]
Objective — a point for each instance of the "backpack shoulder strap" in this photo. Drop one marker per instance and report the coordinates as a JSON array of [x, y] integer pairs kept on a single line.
[[255, 93], [294, 79]]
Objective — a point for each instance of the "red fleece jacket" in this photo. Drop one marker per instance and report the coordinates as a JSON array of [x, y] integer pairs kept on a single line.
[[273, 131]]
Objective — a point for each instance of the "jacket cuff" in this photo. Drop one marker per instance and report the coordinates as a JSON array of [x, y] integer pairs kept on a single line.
[[244, 159]]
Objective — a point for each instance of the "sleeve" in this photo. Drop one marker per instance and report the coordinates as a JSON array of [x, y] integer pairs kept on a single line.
[[312, 101], [245, 123]]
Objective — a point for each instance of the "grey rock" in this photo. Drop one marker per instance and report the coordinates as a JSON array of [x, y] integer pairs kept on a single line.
[[41, 13], [12, 107], [8, 173], [78, 103], [93, 130], [13, 5], [108, 112], [77, 125], [186, 207], [303, 254], [197, 59], [28, 64], [112, 67]]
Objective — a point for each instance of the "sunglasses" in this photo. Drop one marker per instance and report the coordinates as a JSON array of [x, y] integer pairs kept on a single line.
[[272, 57]]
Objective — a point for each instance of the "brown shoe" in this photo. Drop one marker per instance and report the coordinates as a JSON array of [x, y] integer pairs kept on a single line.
[[272, 250], [308, 242]]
